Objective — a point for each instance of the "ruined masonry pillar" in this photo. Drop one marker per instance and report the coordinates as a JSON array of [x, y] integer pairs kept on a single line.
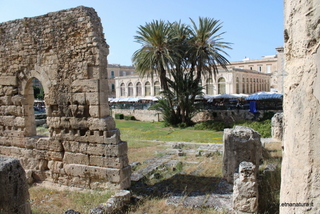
[[277, 126], [240, 144], [245, 189]]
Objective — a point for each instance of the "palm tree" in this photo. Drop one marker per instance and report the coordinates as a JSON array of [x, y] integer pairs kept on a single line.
[[155, 55], [207, 49], [184, 53]]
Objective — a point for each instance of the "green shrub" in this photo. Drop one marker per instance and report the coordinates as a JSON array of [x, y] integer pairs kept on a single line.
[[119, 116], [211, 125], [263, 127], [267, 115], [129, 117]]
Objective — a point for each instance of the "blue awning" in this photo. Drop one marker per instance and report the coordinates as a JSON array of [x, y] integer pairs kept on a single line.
[[264, 96]]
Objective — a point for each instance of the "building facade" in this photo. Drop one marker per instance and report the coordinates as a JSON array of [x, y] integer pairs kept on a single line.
[[246, 76]]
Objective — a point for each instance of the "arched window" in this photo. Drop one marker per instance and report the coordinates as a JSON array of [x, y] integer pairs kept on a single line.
[[237, 86], [243, 85], [221, 86], [156, 88], [209, 86], [147, 89], [122, 90], [112, 88], [130, 89], [138, 89]]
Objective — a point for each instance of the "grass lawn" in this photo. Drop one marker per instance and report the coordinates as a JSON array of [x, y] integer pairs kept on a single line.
[[151, 131], [145, 138]]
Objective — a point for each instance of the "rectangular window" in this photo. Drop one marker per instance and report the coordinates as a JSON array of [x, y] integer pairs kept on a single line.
[[268, 69]]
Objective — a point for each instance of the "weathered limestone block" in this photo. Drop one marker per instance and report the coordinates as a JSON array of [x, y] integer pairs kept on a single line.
[[12, 110], [75, 147], [53, 122], [85, 85], [8, 80], [101, 124], [42, 144], [113, 137], [245, 189], [76, 158], [96, 149], [109, 162], [277, 126], [55, 145], [5, 100], [17, 100], [117, 150], [7, 120], [79, 98], [14, 195], [240, 144]]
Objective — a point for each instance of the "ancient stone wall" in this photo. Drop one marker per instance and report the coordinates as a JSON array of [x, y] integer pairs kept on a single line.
[[228, 116], [67, 52], [300, 172]]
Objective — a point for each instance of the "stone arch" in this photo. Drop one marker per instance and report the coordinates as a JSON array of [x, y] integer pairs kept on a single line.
[[69, 58]]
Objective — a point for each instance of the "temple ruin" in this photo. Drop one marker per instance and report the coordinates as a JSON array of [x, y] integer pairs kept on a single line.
[[67, 52]]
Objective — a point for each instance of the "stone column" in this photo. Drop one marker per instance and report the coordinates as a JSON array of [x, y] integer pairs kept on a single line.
[[245, 189], [300, 171], [14, 195], [240, 144]]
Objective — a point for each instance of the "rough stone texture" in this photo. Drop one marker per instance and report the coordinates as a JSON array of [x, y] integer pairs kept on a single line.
[[14, 194], [277, 126], [114, 204], [67, 52], [245, 189], [300, 171], [240, 144]]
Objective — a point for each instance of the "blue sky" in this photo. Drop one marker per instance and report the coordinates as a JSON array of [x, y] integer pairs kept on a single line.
[[255, 27]]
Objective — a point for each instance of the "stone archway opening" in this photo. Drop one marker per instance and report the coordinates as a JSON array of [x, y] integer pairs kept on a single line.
[[35, 109]]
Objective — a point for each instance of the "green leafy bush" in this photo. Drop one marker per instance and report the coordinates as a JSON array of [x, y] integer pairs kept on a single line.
[[119, 116], [263, 127], [129, 117], [211, 125]]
